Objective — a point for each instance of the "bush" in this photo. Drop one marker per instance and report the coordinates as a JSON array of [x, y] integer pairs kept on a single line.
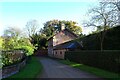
[[11, 57], [27, 49], [108, 60]]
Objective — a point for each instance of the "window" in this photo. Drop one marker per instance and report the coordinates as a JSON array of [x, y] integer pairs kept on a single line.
[[56, 52], [60, 52]]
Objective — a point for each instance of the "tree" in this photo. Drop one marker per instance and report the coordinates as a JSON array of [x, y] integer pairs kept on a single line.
[[39, 41], [42, 43], [103, 17], [1, 42], [26, 45], [114, 4], [10, 38], [32, 27], [52, 26], [116, 7], [72, 25]]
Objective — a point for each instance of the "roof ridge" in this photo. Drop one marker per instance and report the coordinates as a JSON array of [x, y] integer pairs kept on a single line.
[[64, 30]]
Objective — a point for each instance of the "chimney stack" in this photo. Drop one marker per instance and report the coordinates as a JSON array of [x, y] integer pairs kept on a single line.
[[62, 26]]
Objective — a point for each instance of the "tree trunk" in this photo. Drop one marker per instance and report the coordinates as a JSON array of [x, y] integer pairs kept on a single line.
[[102, 36], [101, 44], [101, 41]]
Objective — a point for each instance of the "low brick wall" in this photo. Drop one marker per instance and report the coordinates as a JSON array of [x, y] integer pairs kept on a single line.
[[13, 69]]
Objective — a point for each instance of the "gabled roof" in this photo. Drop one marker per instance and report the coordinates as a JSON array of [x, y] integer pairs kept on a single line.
[[62, 31]]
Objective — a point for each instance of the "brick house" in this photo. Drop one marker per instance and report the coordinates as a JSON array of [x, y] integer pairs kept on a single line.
[[61, 42]]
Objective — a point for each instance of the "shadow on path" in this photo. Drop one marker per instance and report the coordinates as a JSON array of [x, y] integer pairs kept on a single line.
[[54, 69]]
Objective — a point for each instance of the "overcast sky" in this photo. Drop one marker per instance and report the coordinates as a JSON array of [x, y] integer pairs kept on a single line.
[[20, 12]]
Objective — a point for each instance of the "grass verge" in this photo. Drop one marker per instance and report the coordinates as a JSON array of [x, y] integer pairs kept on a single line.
[[98, 72], [31, 70]]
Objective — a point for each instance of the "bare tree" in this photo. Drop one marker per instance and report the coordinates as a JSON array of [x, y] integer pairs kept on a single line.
[[12, 32], [118, 5], [32, 27], [117, 8], [10, 38], [103, 17]]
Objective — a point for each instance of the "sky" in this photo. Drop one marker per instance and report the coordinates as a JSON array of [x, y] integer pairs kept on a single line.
[[18, 13]]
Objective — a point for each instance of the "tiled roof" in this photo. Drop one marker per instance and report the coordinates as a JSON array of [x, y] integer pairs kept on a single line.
[[61, 31], [68, 45]]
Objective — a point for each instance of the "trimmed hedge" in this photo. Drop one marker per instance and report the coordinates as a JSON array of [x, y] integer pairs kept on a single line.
[[107, 60], [111, 40]]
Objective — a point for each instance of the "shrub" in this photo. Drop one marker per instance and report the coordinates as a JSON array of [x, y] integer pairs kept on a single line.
[[27, 49], [108, 60], [11, 57]]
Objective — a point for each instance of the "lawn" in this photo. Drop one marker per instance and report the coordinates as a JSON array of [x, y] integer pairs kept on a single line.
[[31, 70], [98, 72]]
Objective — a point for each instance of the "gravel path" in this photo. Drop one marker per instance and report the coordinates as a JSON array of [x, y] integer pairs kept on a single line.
[[54, 69]]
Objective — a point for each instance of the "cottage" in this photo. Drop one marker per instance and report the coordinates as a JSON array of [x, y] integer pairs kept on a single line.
[[59, 50], [61, 42]]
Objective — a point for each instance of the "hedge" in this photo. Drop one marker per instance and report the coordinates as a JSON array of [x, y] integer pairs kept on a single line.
[[107, 60], [111, 40]]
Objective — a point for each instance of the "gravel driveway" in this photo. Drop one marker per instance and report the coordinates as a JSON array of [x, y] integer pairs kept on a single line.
[[54, 69]]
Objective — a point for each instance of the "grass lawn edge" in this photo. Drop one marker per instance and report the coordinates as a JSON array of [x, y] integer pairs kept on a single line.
[[95, 71], [32, 69]]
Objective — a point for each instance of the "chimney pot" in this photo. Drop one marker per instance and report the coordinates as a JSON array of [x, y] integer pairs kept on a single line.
[[62, 26]]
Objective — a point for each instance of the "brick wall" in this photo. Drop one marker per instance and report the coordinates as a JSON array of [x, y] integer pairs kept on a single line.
[[41, 52], [13, 69]]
